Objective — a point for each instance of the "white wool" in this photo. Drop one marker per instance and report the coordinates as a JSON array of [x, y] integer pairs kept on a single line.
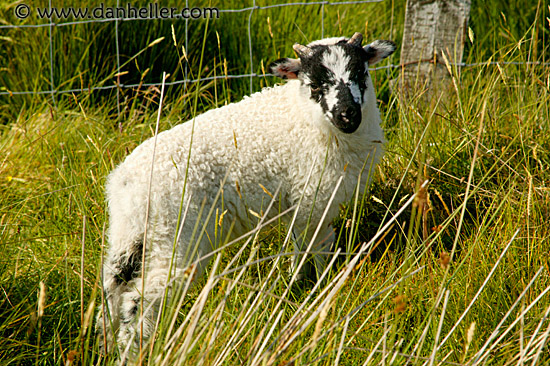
[[277, 138], [273, 138]]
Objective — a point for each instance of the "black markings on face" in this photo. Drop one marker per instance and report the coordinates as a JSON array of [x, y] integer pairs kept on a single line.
[[358, 73], [317, 76], [337, 78]]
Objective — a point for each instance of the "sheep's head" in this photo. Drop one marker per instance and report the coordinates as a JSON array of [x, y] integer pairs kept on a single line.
[[335, 70]]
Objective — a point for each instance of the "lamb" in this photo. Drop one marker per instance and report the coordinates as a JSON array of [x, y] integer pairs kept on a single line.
[[297, 139]]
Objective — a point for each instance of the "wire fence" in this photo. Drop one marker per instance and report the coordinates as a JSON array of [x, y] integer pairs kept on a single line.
[[251, 75], [53, 91]]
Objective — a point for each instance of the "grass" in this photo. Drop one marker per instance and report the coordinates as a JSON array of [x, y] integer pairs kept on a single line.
[[457, 272]]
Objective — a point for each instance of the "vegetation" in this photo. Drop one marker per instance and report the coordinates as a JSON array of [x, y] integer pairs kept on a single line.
[[452, 271]]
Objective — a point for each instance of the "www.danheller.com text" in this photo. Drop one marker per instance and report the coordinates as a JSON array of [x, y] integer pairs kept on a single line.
[[151, 11]]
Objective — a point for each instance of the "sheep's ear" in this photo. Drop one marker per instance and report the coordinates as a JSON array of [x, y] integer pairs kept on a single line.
[[286, 68], [378, 50]]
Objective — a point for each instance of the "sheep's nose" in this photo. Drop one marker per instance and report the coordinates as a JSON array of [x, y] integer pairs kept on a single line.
[[349, 119], [351, 113]]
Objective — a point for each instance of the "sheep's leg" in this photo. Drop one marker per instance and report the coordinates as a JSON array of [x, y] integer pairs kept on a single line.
[[323, 245], [165, 271], [296, 256], [107, 320], [123, 263], [137, 324], [324, 241], [130, 327]]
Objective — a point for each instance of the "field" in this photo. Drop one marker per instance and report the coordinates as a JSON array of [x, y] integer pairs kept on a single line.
[[444, 260]]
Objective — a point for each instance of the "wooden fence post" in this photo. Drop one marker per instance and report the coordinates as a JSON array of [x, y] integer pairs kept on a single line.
[[431, 28]]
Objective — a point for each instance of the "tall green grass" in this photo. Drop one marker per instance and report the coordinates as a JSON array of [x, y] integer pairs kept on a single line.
[[84, 56], [463, 260]]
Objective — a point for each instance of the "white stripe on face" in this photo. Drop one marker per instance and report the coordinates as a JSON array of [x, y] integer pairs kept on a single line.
[[331, 97], [336, 60]]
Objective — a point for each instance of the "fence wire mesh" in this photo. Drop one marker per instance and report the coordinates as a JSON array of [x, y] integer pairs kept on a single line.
[[251, 75], [252, 10]]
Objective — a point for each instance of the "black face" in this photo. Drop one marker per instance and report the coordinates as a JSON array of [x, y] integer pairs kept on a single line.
[[336, 72], [337, 78]]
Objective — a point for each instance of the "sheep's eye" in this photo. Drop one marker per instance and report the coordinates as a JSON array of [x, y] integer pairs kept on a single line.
[[314, 88]]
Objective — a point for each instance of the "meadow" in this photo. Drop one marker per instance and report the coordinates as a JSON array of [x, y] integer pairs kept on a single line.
[[443, 260]]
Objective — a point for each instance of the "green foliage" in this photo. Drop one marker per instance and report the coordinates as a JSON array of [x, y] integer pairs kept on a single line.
[[484, 149], [84, 56]]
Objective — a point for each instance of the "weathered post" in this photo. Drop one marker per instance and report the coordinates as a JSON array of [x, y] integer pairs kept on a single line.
[[432, 27]]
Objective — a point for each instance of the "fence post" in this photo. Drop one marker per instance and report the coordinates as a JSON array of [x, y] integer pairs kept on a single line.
[[431, 28]]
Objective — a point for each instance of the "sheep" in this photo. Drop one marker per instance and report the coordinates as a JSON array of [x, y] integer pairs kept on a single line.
[[297, 139]]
